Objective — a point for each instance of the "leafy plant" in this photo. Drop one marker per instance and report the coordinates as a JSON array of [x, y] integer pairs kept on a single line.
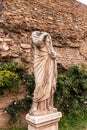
[[71, 89], [12, 66], [10, 76], [17, 128], [16, 107], [76, 120], [70, 98], [8, 81], [30, 83]]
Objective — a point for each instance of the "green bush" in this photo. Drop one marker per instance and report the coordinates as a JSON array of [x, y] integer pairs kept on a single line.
[[76, 120], [8, 81], [30, 83], [70, 98], [16, 107], [71, 90], [10, 76], [12, 66], [17, 128]]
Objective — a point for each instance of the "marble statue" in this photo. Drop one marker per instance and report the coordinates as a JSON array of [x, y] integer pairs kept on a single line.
[[45, 72]]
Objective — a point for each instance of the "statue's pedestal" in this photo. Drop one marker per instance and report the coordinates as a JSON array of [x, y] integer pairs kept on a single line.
[[45, 122]]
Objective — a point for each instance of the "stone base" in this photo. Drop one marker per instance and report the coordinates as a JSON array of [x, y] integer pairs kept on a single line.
[[45, 122]]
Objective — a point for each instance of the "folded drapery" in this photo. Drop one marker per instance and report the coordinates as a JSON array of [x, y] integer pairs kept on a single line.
[[45, 69]]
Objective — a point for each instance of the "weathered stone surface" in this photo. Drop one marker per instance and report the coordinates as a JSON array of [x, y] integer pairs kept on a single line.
[[4, 117], [1, 39], [69, 56], [17, 59], [45, 122], [5, 47], [5, 39], [4, 54], [15, 47], [14, 55], [83, 49], [26, 58], [25, 46]]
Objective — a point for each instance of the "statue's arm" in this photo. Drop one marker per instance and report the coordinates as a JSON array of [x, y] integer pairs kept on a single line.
[[50, 48]]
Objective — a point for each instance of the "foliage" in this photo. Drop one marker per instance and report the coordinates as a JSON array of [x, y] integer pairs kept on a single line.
[[70, 98], [71, 90], [10, 76], [30, 83], [17, 128], [8, 81], [16, 107], [12, 66], [74, 121]]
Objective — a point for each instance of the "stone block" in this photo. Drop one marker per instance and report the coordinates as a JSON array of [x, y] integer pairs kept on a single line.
[[45, 122]]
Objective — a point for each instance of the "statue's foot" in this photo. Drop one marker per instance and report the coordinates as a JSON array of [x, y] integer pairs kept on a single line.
[[52, 109], [37, 113], [33, 112], [33, 109]]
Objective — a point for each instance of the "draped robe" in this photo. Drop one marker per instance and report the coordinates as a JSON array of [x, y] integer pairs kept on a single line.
[[45, 69]]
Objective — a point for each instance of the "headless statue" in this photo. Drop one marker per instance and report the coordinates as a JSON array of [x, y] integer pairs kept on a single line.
[[45, 72]]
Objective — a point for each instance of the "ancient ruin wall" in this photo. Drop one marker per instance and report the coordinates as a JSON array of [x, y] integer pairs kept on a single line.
[[66, 21]]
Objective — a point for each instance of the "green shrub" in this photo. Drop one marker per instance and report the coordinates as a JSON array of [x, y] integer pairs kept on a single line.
[[30, 83], [71, 89], [8, 81], [70, 95], [16, 107], [10, 76], [17, 128], [76, 120], [12, 66]]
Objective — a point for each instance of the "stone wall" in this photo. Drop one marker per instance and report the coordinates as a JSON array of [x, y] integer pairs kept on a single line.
[[65, 20]]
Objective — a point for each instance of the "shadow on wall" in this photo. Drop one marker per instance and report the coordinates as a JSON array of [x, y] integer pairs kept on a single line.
[[60, 68]]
